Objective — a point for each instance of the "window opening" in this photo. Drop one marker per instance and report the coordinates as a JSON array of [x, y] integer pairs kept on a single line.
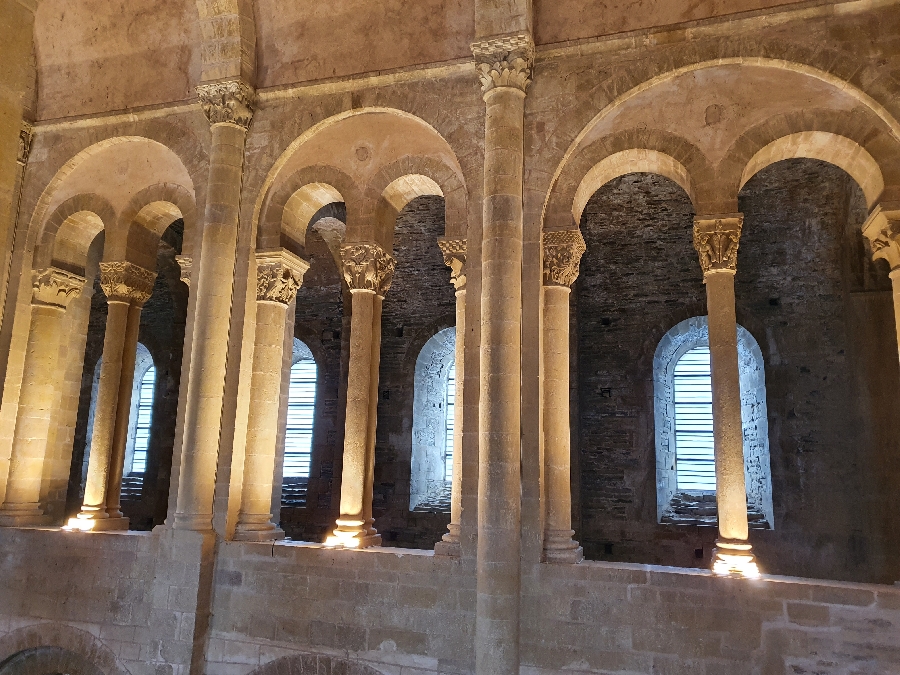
[[449, 424], [144, 421], [298, 435], [695, 462]]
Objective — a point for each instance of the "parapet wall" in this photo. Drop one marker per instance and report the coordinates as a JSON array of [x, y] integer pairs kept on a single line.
[[129, 603]]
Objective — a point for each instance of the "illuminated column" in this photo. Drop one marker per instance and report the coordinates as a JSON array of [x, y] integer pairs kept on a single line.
[[716, 240], [504, 67], [52, 290], [228, 107], [882, 229], [562, 254], [368, 271], [454, 251], [278, 276]]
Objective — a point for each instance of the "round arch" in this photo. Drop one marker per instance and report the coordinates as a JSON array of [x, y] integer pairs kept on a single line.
[[62, 639]]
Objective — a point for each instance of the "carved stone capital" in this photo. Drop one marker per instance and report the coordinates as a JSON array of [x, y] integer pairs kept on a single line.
[[227, 102], [186, 263], [504, 61], [53, 287], [716, 240], [279, 275], [454, 251], [126, 282], [562, 255], [882, 229], [367, 267], [26, 136]]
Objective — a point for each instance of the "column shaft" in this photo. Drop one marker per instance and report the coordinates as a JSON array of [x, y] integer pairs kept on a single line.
[[351, 525], [123, 415], [214, 284], [731, 491], [255, 518], [105, 411], [52, 291], [374, 365], [895, 283], [504, 78]]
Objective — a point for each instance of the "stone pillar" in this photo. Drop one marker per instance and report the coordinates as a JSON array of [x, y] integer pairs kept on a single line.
[[52, 290], [127, 287], [368, 271], [562, 255], [504, 67], [716, 239], [278, 276], [454, 251], [882, 229], [228, 107]]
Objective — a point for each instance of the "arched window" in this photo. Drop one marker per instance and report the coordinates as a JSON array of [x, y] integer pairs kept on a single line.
[[298, 432], [433, 428], [685, 459]]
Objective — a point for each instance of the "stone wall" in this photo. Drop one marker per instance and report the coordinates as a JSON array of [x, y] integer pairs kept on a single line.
[[811, 303]]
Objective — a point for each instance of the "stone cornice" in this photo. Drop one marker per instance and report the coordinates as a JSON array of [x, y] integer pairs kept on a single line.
[[367, 267], [229, 102], [504, 62], [279, 275], [53, 287], [123, 281], [454, 251], [716, 239], [562, 251]]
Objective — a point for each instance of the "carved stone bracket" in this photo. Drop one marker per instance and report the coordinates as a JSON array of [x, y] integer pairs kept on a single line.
[[185, 262], [227, 102], [367, 267], [882, 229], [562, 255], [279, 275], [716, 240], [504, 61], [26, 135], [53, 287], [454, 251], [126, 282]]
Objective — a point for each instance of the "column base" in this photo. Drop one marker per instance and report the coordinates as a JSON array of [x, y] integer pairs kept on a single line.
[[109, 524], [354, 534], [734, 559], [449, 543], [23, 515], [193, 521], [561, 549], [253, 532]]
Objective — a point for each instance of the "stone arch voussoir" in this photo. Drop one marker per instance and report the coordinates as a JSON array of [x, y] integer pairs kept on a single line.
[[44, 253], [64, 637]]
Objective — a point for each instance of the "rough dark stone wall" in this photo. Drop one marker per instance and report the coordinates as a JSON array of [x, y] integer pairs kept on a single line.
[[823, 321], [420, 302], [162, 332]]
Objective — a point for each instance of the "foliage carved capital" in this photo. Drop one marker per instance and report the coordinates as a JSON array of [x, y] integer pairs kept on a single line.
[[186, 263], [562, 256], [454, 251], [716, 240], [53, 287], [279, 275], [227, 102], [367, 267], [504, 62], [882, 229], [126, 282]]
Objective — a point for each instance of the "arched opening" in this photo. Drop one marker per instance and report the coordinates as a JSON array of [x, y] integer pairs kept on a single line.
[[432, 428], [685, 456], [298, 431], [48, 661]]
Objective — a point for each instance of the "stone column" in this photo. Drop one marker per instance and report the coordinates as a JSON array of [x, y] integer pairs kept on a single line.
[[52, 290], [504, 67], [454, 251], [562, 255], [716, 239], [882, 229], [368, 271], [278, 276], [228, 107]]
